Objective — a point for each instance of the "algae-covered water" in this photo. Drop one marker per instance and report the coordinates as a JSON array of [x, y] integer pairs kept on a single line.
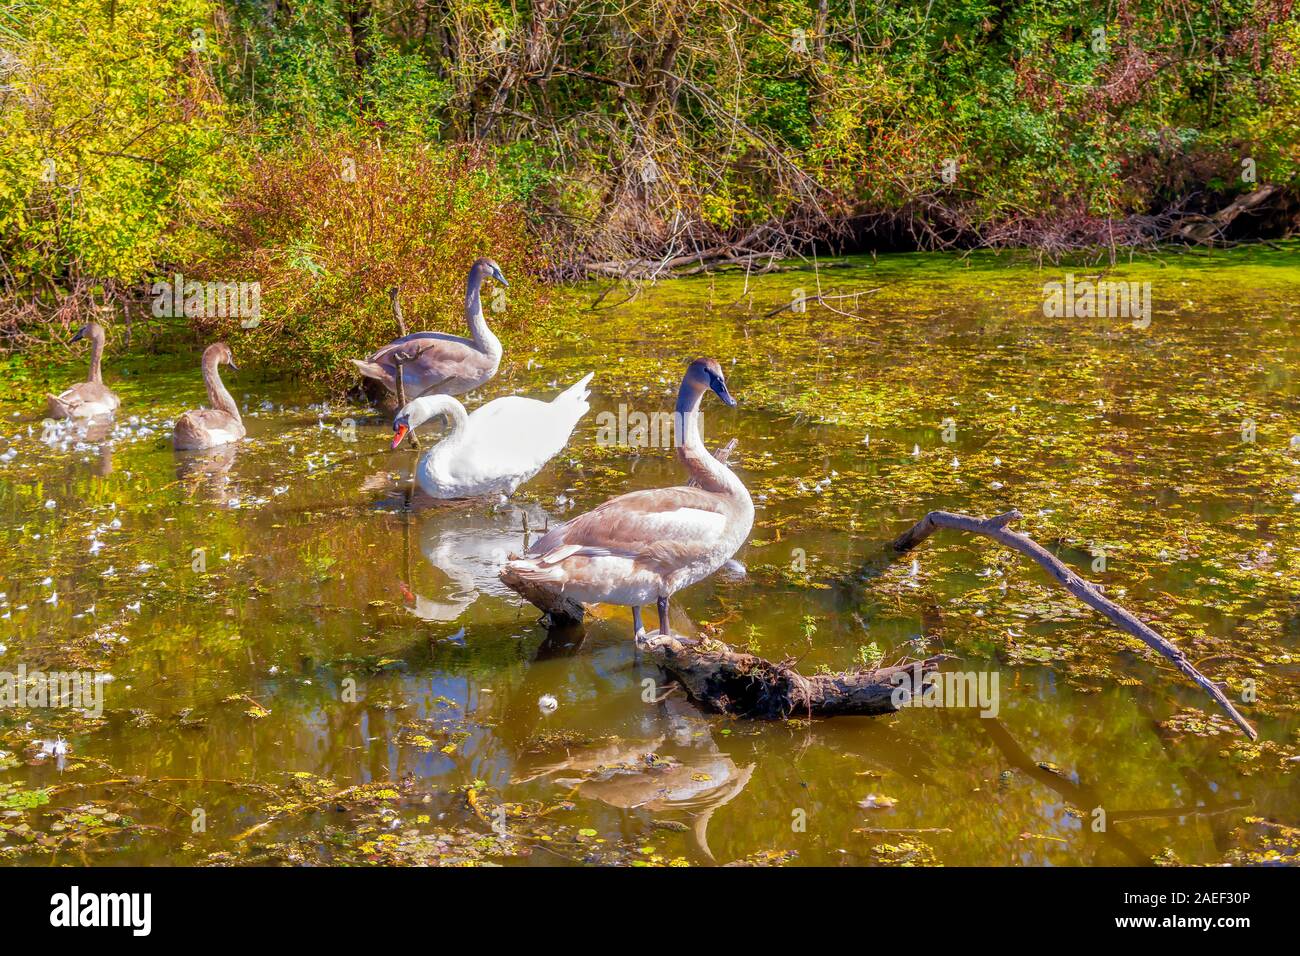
[[300, 661]]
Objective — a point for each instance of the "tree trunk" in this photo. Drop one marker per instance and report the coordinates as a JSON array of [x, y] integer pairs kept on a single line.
[[357, 14]]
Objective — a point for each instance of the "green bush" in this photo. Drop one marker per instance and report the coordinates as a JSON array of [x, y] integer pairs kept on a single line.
[[110, 128], [327, 225]]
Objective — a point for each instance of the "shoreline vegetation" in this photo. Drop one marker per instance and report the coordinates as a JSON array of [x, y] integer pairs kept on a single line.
[[140, 342], [330, 150]]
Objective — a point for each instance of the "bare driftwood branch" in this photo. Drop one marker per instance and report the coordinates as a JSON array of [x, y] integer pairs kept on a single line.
[[395, 300], [749, 686], [1209, 228], [1090, 594]]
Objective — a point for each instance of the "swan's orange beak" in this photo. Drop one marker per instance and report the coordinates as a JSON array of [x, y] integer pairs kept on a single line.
[[401, 433]]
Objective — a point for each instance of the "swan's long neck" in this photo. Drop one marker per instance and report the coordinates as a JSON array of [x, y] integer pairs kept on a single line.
[[484, 340], [457, 423], [711, 474], [435, 460], [457, 419], [218, 397], [96, 358]]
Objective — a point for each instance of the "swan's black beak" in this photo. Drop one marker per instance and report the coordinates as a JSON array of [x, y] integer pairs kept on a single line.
[[720, 387], [496, 274], [81, 333], [233, 366]]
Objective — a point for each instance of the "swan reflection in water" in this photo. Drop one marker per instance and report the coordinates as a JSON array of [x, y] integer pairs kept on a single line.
[[98, 433], [677, 768], [208, 470], [467, 549]]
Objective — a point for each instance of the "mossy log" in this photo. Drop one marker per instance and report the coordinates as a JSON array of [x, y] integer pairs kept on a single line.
[[729, 682]]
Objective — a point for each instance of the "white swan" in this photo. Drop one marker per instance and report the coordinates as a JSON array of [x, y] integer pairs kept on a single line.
[[497, 448], [642, 547]]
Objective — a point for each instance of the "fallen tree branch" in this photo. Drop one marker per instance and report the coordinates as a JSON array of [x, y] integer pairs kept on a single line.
[[1206, 229], [750, 686], [395, 300], [1088, 593]]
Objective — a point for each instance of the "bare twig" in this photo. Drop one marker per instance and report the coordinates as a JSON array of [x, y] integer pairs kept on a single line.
[[1090, 594], [820, 299], [402, 357]]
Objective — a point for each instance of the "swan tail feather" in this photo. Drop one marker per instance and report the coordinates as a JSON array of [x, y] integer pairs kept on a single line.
[[574, 398], [533, 571], [578, 392], [371, 369], [56, 407]]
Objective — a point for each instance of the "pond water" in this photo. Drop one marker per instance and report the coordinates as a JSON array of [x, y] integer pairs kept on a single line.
[[300, 661]]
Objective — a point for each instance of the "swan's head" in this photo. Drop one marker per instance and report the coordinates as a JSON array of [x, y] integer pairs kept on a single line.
[[487, 267], [416, 413], [218, 353], [91, 330], [706, 374]]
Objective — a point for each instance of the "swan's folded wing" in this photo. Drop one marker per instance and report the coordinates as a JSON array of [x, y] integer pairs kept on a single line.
[[206, 425], [515, 435], [428, 336], [211, 418], [70, 396], [84, 393], [73, 400], [439, 358], [58, 406], [647, 525]]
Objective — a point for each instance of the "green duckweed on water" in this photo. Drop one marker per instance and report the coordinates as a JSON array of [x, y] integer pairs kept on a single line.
[[298, 668]]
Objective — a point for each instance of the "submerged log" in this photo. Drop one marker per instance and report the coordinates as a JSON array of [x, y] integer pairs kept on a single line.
[[1088, 593], [561, 610], [748, 686]]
